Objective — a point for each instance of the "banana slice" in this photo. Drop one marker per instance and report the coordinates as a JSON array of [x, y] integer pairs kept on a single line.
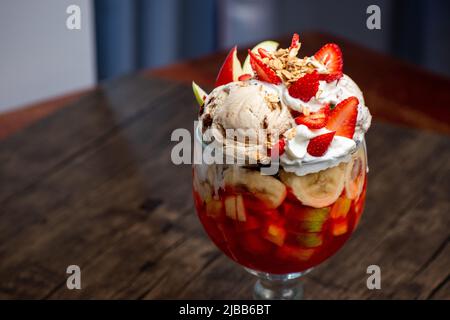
[[355, 174], [318, 189], [266, 188]]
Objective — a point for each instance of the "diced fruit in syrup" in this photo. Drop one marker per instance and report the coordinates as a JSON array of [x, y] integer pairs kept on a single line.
[[298, 226], [319, 189], [298, 212], [215, 233], [309, 239], [251, 223], [214, 208], [340, 208], [302, 219], [276, 234], [296, 253], [234, 208], [227, 233], [254, 243], [273, 216], [339, 227]]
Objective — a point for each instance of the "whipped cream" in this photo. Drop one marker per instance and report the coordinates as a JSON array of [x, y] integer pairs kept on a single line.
[[296, 155]]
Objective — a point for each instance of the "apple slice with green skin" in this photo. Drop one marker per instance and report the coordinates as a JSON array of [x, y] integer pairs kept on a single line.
[[231, 69], [340, 208], [309, 239], [340, 227], [199, 93], [305, 219], [269, 46], [294, 211], [275, 234]]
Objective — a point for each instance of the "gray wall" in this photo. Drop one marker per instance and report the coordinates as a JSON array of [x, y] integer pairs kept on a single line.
[[39, 56]]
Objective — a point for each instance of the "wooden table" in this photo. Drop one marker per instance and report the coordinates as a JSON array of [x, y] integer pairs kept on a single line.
[[93, 185]]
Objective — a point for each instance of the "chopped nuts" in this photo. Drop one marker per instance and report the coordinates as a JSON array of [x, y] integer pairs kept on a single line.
[[290, 134], [286, 74], [288, 67], [277, 64]]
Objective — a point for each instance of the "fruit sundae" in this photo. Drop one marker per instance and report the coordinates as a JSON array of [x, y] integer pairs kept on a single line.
[[310, 117]]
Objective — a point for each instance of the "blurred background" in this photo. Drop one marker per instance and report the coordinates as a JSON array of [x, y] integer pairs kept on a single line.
[[40, 58]]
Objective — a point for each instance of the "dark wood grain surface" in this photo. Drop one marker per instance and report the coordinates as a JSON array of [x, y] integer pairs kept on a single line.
[[93, 185]]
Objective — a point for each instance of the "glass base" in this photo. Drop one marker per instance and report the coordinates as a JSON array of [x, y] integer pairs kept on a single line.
[[277, 286]]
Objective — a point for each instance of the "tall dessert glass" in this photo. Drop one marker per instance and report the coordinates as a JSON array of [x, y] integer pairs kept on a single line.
[[260, 222], [279, 224]]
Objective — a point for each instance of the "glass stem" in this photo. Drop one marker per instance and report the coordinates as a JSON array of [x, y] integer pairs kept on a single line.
[[277, 287]]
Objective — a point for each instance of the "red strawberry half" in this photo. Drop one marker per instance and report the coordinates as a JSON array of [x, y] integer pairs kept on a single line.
[[342, 118], [315, 120], [330, 55], [319, 145], [306, 87], [263, 71]]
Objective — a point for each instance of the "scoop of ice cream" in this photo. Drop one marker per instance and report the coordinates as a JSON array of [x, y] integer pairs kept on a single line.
[[246, 118]]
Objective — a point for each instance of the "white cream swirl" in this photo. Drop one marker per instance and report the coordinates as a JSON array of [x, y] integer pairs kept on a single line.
[[296, 156], [296, 159]]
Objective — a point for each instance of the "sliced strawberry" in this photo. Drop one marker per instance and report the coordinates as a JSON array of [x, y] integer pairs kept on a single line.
[[315, 120], [263, 71], [263, 53], [295, 45], [319, 145], [245, 77], [281, 144], [306, 87], [342, 118], [330, 55]]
